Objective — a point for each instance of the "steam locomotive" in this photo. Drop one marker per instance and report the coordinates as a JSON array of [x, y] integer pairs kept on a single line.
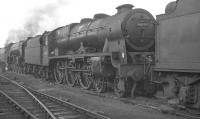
[[96, 52], [129, 52], [106, 52]]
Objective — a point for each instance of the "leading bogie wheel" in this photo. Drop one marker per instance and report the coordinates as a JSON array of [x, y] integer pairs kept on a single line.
[[100, 84], [70, 78], [86, 80], [58, 73]]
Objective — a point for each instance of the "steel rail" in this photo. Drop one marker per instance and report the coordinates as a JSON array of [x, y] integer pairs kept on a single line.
[[37, 96], [25, 112], [48, 112], [92, 115]]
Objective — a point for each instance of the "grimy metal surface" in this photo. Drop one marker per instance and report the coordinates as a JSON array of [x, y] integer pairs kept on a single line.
[[59, 109], [33, 51], [178, 38], [2, 55], [44, 49], [16, 49], [134, 25]]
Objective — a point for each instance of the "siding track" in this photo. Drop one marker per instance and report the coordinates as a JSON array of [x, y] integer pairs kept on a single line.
[[36, 105]]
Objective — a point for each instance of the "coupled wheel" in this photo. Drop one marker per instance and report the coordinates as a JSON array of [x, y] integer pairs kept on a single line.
[[70, 78], [20, 69], [14, 68], [23, 69], [58, 73], [11, 68], [30, 69], [46, 73], [39, 72], [42, 73], [27, 69], [86, 80], [35, 71], [100, 84]]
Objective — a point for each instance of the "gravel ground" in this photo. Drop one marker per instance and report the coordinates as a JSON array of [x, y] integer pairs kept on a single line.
[[105, 104]]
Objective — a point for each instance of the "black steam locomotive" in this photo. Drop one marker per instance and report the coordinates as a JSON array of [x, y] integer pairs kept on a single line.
[[106, 52], [97, 52], [117, 52]]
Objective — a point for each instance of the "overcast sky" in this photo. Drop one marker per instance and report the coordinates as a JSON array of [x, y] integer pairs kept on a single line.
[[34, 16]]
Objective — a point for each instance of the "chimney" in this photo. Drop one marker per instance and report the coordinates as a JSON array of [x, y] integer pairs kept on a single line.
[[124, 8], [29, 37], [100, 16], [84, 20]]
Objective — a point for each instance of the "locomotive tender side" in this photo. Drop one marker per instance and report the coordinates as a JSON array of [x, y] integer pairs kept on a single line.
[[33, 51], [16, 49], [177, 51], [36, 55], [36, 50], [7, 54], [178, 41], [15, 56], [2, 55]]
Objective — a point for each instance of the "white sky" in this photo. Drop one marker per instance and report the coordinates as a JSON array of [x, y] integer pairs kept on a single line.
[[14, 13]]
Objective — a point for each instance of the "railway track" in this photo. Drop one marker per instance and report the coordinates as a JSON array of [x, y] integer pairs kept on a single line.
[[8, 109], [36, 105], [61, 108]]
